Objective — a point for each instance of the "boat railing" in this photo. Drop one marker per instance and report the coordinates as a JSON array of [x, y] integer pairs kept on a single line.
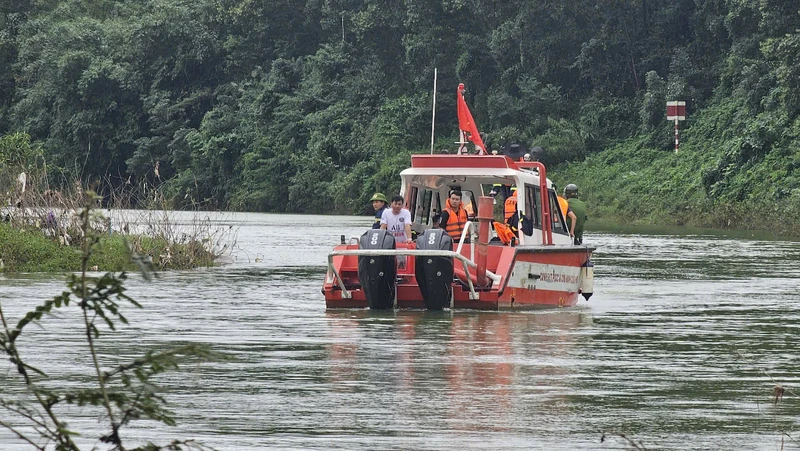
[[467, 232], [466, 262]]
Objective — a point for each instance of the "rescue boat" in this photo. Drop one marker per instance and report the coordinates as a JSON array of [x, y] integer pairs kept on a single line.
[[482, 269]]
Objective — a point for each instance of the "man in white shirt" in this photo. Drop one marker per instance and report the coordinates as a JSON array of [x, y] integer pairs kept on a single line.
[[397, 220]]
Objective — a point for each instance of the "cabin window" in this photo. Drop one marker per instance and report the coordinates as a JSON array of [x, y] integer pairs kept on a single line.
[[412, 208], [468, 203], [559, 224], [425, 206], [533, 210], [533, 205]]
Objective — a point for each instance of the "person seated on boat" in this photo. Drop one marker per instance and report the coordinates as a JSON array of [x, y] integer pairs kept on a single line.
[[454, 217], [397, 220], [379, 203], [578, 208]]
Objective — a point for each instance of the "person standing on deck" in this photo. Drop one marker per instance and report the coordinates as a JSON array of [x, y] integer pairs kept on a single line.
[[578, 207], [379, 203], [510, 207], [397, 220], [510, 215], [454, 217], [566, 211]]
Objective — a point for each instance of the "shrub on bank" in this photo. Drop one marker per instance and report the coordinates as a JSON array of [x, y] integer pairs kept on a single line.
[[28, 251], [40, 228], [24, 250]]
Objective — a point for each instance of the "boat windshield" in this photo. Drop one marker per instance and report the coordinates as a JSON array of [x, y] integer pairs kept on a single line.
[[534, 204], [427, 204]]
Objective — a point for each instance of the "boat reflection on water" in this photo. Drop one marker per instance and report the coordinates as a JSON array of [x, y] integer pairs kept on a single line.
[[507, 368]]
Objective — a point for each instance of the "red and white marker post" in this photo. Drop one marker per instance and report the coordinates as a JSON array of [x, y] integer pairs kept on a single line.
[[676, 111]]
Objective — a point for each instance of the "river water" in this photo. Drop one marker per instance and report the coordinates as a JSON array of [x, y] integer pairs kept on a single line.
[[679, 348]]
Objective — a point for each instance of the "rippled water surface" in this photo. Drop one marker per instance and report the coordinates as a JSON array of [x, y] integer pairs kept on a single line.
[[679, 348]]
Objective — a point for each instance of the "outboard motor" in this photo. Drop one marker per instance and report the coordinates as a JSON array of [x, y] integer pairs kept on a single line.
[[377, 273], [435, 274]]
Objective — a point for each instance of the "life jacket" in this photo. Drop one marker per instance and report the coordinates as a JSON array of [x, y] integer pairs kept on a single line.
[[504, 232], [455, 223], [510, 206], [564, 206]]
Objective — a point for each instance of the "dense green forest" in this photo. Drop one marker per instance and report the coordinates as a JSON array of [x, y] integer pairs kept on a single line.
[[311, 105]]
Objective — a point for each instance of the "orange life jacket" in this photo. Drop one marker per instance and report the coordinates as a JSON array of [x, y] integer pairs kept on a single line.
[[504, 232], [455, 223], [564, 206], [510, 206]]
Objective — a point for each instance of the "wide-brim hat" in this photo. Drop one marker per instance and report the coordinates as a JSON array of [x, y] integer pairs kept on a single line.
[[380, 197]]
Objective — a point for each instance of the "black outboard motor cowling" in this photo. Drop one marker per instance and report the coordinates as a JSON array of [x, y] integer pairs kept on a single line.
[[377, 274], [435, 274]]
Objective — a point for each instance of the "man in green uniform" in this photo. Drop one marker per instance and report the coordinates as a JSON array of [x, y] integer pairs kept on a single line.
[[579, 208]]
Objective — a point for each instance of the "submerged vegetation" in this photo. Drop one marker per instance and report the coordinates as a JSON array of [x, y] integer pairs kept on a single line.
[[27, 250]]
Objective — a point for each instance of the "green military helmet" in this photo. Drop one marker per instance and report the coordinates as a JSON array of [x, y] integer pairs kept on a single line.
[[571, 190], [380, 197]]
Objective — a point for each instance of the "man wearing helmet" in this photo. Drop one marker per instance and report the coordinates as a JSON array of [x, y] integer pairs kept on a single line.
[[579, 208]]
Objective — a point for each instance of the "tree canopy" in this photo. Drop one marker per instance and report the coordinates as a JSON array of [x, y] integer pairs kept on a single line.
[[312, 105]]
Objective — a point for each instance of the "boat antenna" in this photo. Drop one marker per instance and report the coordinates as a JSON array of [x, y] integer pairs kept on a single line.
[[433, 115]]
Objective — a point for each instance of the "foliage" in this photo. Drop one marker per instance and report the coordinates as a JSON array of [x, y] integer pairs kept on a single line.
[[26, 251], [119, 391], [299, 106], [737, 179]]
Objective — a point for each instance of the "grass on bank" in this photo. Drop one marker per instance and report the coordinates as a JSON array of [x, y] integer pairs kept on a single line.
[[24, 250]]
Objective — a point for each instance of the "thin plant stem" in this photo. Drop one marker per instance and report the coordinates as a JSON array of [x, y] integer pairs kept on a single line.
[[64, 440], [20, 435], [87, 250]]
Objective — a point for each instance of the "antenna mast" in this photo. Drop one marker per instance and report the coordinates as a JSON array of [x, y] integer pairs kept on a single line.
[[433, 115]]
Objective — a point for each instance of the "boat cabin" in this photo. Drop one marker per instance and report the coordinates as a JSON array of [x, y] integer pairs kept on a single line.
[[427, 184]]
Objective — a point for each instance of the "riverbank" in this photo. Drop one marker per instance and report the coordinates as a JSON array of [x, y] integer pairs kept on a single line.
[[634, 184], [599, 225]]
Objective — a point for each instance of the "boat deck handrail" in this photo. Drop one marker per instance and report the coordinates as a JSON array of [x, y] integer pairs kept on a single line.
[[465, 233]]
